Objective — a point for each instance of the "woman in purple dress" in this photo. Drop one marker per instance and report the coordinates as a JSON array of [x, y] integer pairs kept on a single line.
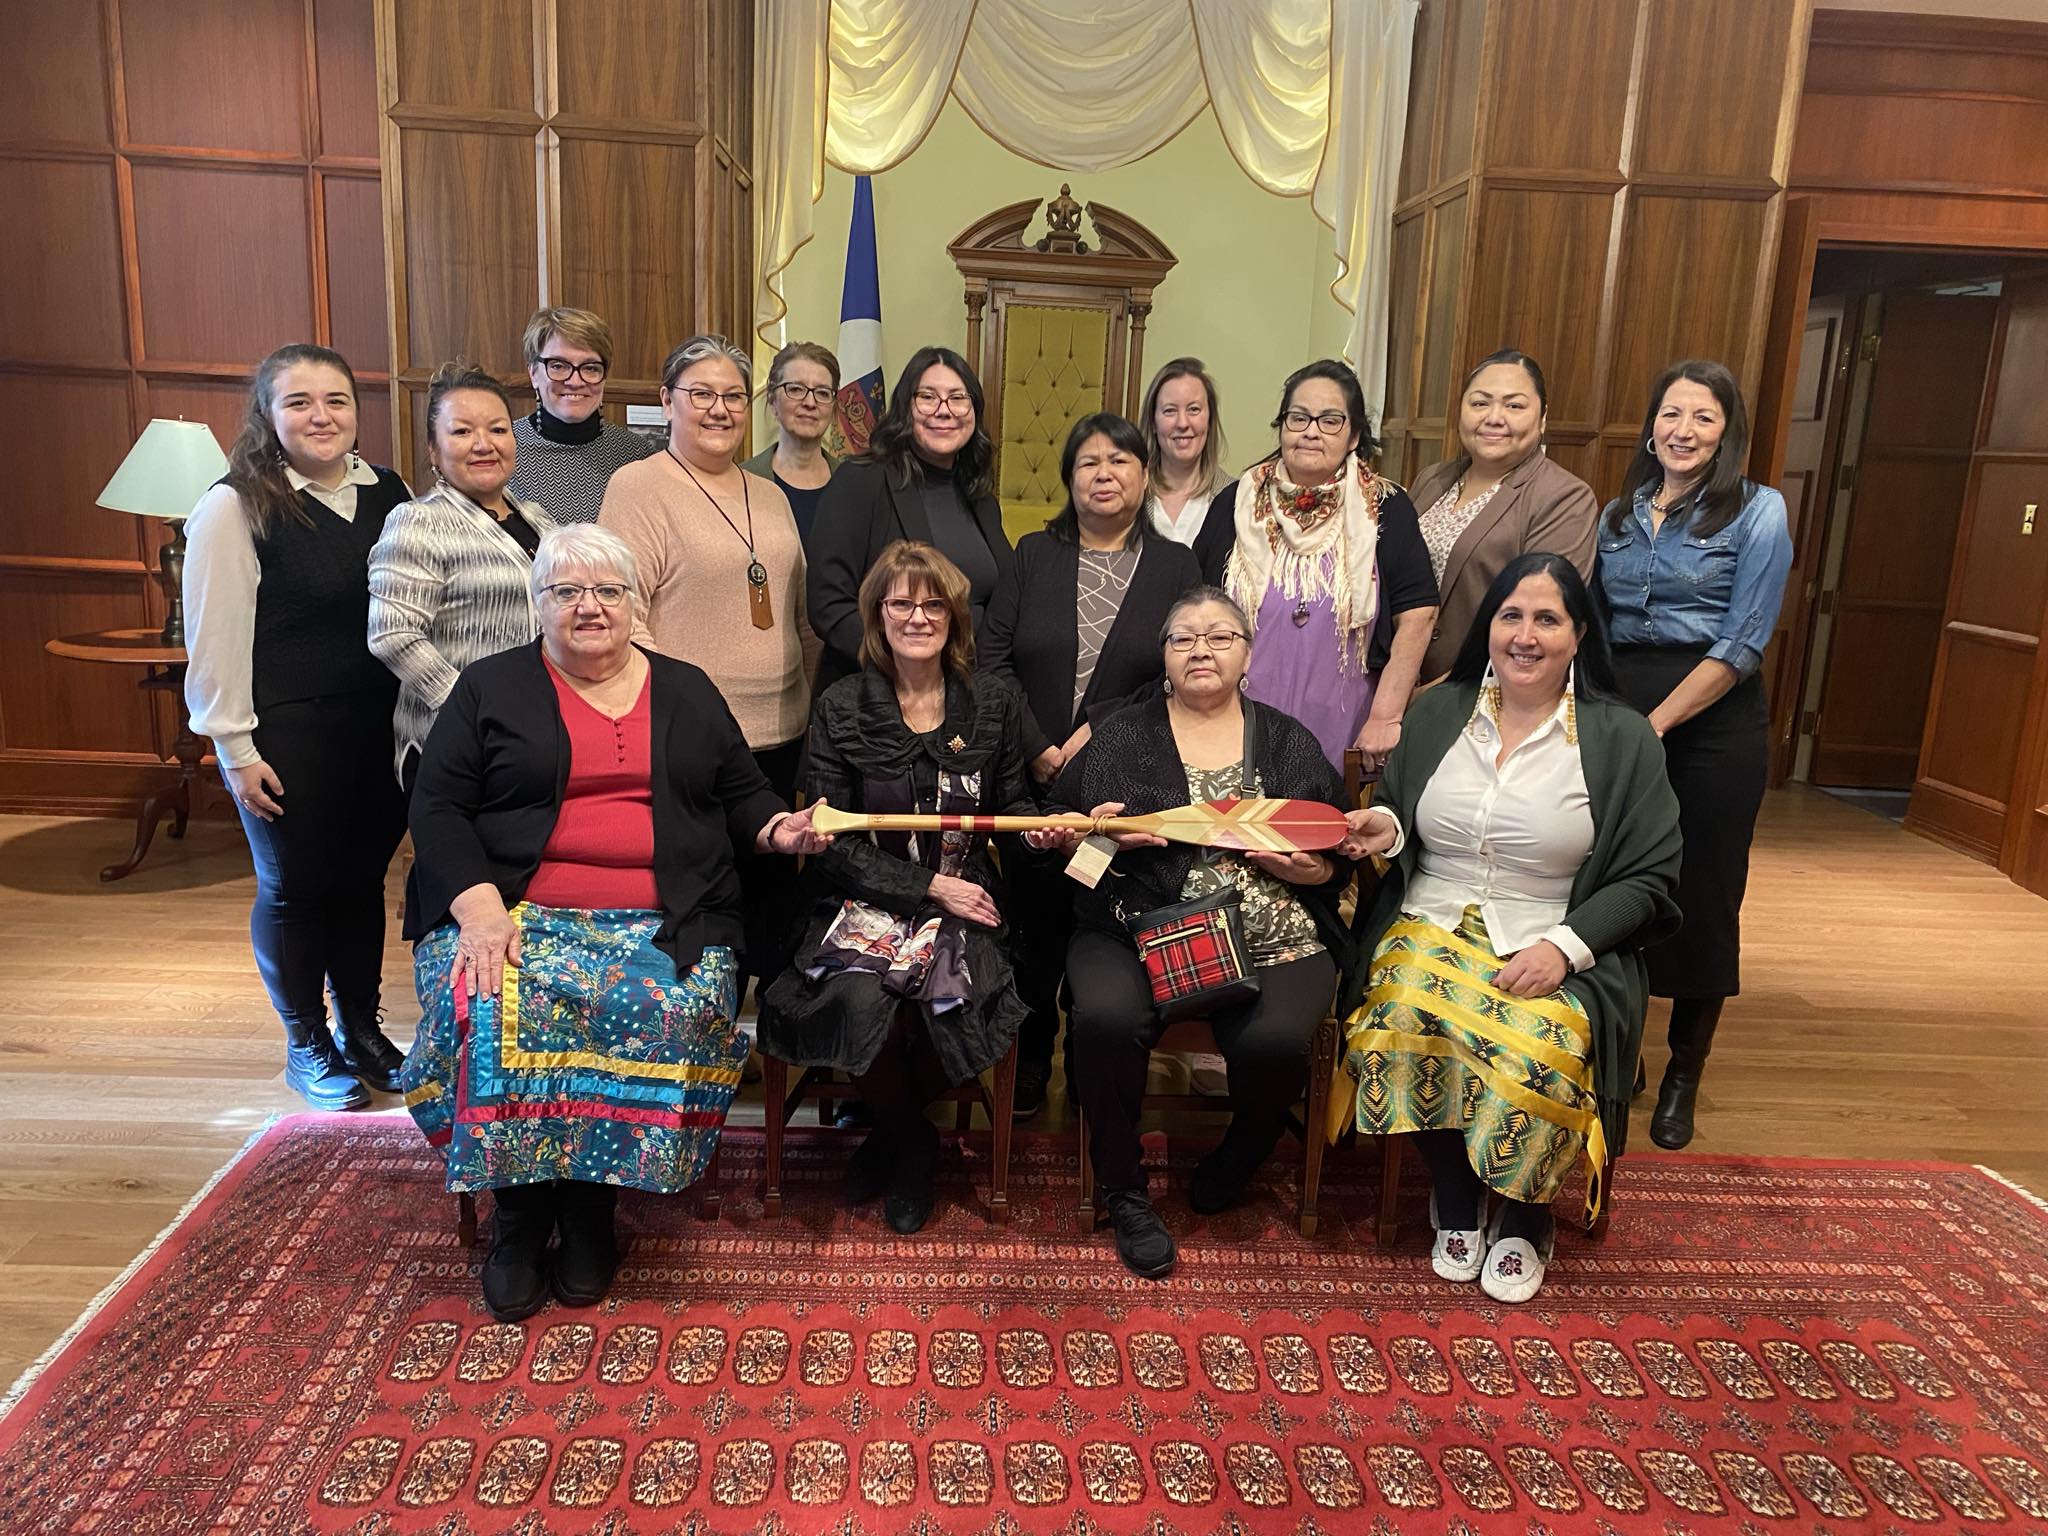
[[1327, 559]]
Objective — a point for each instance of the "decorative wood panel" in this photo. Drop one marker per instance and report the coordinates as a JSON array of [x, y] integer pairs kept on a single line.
[[1926, 130], [586, 152], [1601, 183], [165, 170]]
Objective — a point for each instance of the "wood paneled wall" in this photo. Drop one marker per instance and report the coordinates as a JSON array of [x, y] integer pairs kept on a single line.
[[1598, 182], [587, 152], [186, 187], [1926, 130]]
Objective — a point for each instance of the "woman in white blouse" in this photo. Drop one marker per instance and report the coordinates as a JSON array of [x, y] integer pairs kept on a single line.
[[1532, 849], [450, 579], [1183, 446]]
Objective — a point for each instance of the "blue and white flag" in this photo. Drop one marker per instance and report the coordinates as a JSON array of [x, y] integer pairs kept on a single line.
[[860, 326]]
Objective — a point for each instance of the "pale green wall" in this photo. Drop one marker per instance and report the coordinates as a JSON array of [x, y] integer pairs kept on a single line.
[[1250, 295]]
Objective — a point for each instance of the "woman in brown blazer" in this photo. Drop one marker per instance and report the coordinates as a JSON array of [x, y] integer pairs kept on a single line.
[[1501, 497]]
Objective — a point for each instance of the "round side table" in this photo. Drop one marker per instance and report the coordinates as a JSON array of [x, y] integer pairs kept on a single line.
[[164, 672]]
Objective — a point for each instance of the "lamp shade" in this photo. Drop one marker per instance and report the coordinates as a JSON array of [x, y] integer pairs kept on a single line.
[[167, 471]]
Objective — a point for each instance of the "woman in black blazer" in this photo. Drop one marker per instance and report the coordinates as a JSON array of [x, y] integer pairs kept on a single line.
[[1076, 626], [929, 476]]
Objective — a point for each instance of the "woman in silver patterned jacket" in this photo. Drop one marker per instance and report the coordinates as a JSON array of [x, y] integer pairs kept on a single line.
[[450, 577]]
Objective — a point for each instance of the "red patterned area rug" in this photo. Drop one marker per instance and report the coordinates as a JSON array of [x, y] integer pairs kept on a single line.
[[1758, 1346]]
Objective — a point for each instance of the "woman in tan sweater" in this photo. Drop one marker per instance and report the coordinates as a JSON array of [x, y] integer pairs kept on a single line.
[[722, 570]]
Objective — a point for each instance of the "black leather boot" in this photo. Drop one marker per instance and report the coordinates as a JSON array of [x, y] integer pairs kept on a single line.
[[515, 1275], [589, 1255], [364, 1050], [1693, 1020], [313, 1069]]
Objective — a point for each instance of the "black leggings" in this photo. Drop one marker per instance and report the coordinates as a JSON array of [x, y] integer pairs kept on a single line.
[[1113, 1026], [319, 910]]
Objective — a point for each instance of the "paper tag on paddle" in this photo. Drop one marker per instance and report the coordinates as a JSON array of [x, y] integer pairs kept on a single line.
[[1091, 860]]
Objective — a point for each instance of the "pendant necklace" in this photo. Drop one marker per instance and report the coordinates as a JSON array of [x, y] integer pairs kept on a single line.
[[759, 608]]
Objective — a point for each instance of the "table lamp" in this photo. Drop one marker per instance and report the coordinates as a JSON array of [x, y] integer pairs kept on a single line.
[[164, 475]]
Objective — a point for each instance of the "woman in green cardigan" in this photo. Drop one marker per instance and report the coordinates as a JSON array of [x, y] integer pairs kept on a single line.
[[1532, 849]]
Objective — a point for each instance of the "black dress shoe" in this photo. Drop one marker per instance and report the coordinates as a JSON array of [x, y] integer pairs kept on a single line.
[[1221, 1178], [515, 1281], [912, 1187], [872, 1166], [366, 1052], [588, 1257], [1142, 1241], [1029, 1097]]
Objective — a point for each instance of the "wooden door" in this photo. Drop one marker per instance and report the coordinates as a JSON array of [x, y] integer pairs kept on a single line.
[[1796, 388], [1988, 678], [1886, 592]]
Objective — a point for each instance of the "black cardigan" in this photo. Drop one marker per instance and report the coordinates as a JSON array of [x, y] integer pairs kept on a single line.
[[497, 764], [859, 515], [1029, 635], [1407, 579], [1132, 758]]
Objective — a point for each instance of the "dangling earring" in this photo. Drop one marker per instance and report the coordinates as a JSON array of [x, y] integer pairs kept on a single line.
[[1244, 685], [1166, 686]]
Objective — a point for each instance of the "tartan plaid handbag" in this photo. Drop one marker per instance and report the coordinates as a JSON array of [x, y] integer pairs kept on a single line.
[[1194, 952]]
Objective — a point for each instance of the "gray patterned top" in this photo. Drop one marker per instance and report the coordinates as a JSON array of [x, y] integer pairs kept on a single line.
[[1105, 577]]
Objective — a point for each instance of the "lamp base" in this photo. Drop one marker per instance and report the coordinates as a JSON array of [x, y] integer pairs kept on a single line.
[[170, 575]]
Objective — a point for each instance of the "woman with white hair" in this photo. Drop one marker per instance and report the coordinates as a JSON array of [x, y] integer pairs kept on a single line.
[[580, 810], [722, 579]]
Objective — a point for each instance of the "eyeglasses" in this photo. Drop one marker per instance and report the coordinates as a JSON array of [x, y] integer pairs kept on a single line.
[[928, 402], [901, 608], [1218, 640], [559, 369], [609, 594], [797, 394], [1331, 422], [702, 399]]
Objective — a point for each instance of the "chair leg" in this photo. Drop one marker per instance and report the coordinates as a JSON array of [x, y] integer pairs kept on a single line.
[[1597, 1233], [465, 1220], [1002, 1118], [1391, 1148], [710, 1200], [1085, 1214], [774, 1115], [963, 1116], [1322, 1062]]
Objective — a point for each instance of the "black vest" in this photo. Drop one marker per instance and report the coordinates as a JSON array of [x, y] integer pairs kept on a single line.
[[313, 601]]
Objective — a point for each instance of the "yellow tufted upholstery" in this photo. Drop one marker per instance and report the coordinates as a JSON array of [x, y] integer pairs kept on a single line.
[[1054, 361]]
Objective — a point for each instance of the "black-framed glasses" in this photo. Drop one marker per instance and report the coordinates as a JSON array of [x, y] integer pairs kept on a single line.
[[609, 594], [901, 609], [702, 399], [1218, 640], [560, 368], [1331, 422], [797, 394]]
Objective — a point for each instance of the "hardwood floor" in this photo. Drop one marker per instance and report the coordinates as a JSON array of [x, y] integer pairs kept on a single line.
[[1893, 1009]]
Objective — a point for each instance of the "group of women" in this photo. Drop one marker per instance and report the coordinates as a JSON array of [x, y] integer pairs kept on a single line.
[[601, 727]]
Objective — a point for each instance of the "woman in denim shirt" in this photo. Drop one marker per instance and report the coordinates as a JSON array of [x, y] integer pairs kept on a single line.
[[1693, 559]]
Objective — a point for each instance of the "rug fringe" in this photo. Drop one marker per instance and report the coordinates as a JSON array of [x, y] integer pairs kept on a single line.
[[2014, 1185], [14, 1394]]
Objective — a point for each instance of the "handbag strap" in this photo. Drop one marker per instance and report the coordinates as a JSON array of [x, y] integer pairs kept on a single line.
[[1247, 769]]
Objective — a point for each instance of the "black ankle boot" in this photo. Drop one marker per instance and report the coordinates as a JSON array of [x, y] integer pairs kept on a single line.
[[515, 1275], [1221, 1178], [364, 1049], [913, 1186], [1693, 1020], [589, 1255], [313, 1069]]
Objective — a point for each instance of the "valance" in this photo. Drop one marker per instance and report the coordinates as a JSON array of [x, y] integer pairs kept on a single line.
[[1311, 98]]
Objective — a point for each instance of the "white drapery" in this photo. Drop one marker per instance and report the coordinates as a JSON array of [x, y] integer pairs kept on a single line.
[[1311, 97]]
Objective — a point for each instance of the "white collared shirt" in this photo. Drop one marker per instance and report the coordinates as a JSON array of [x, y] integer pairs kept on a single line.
[[221, 576], [1508, 838], [1183, 528]]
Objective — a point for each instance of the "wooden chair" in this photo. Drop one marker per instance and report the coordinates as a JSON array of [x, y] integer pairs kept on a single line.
[[704, 1192], [1195, 1036], [780, 1101]]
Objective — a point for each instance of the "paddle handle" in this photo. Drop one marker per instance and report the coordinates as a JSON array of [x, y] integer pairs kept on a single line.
[[833, 820]]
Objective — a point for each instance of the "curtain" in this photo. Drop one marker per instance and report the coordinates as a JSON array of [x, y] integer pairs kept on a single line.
[[1311, 98]]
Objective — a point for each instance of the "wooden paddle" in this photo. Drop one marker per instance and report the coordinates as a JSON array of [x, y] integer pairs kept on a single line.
[[1245, 826]]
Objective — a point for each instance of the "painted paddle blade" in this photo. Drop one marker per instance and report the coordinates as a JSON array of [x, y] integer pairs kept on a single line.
[[1254, 826]]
